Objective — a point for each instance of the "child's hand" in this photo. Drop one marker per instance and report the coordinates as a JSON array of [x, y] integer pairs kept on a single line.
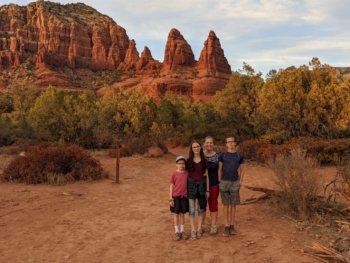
[[171, 202], [207, 194]]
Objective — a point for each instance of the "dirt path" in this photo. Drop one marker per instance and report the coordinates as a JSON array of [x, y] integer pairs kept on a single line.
[[131, 222]]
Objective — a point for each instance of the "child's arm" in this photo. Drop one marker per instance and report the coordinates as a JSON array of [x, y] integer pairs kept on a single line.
[[171, 200]]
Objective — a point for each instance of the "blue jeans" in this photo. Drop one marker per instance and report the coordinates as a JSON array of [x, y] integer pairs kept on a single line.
[[202, 203]]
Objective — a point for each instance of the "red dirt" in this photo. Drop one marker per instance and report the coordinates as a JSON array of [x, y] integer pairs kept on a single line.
[[130, 222]]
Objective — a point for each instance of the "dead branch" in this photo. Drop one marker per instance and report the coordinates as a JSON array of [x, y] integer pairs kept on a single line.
[[255, 199], [325, 254]]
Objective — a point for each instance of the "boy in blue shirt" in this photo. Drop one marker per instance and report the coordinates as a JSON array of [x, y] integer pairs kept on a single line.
[[230, 177]]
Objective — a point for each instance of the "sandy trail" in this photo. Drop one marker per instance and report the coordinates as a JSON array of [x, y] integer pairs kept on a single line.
[[130, 222]]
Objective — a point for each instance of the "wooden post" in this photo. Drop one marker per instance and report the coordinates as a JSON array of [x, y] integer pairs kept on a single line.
[[117, 162]]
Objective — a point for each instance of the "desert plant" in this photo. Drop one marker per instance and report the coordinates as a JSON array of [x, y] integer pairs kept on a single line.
[[343, 173], [48, 163], [299, 181]]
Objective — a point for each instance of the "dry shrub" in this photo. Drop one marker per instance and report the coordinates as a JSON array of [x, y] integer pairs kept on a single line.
[[343, 173], [48, 163], [262, 151], [327, 152], [154, 151], [299, 181]]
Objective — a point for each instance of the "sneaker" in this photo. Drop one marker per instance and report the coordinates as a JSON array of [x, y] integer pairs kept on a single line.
[[226, 231], [213, 230], [177, 236], [232, 230], [184, 236], [199, 233], [193, 235]]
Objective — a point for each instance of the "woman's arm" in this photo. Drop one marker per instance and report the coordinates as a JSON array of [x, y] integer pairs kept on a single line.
[[220, 171]]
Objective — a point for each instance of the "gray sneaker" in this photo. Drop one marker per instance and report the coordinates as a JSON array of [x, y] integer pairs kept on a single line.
[[199, 233], [232, 230], [226, 231], [177, 236], [213, 230], [193, 235]]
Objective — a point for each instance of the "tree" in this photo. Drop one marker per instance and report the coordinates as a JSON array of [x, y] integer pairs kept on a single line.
[[236, 105]]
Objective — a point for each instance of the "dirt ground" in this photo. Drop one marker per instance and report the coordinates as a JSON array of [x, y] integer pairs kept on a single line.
[[130, 222]]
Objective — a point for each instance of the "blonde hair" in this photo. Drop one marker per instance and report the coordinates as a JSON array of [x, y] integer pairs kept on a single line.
[[208, 137]]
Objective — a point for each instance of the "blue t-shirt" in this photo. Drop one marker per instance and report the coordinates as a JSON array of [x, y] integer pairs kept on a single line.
[[230, 164]]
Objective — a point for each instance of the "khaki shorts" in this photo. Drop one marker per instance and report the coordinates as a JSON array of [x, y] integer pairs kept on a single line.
[[229, 191]]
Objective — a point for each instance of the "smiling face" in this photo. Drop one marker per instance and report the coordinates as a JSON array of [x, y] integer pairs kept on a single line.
[[196, 148], [209, 144]]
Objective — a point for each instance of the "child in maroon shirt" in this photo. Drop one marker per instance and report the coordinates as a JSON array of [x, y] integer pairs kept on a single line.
[[178, 196]]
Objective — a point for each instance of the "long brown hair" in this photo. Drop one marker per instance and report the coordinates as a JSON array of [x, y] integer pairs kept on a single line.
[[190, 162]]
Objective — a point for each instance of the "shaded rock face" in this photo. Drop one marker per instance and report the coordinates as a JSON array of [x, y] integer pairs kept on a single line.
[[73, 35], [212, 60], [178, 53]]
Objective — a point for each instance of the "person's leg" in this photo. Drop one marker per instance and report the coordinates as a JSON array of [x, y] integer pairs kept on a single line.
[[192, 212], [182, 223], [176, 223], [226, 215], [213, 204], [202, 203]]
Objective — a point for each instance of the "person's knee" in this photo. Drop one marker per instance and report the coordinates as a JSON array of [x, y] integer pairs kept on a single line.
[[192, 208]]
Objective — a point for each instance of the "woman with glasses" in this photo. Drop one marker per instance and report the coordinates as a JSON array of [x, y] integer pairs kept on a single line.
[[212, 159]]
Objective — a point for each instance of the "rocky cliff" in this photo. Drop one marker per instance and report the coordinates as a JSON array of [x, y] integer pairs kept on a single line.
[[70, 45]]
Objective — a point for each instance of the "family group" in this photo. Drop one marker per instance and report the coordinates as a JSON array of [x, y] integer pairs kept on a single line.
[[199, 180]]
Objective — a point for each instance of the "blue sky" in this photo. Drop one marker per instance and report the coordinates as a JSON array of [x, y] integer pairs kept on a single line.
[[267, 34]]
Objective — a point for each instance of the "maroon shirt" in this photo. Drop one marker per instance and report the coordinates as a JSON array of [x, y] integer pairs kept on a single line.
[[179, 180], [198, 173]]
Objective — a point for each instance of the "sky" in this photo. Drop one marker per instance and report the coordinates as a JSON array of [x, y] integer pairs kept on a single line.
[[266, 34]]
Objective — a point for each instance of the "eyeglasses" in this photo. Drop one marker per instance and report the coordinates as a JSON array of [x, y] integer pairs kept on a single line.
[[195, 147]]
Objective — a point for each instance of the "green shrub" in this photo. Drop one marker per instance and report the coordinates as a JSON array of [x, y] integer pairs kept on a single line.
[[47, 163]]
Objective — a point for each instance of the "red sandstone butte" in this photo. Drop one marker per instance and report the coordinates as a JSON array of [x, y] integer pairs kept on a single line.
[[212, 60], [178, 53]]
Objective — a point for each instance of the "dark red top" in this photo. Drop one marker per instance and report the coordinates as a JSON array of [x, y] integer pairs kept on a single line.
[[198, 173]]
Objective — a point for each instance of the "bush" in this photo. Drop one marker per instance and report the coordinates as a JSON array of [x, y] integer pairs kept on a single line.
[[262, 151], [327, 152], [299, 182], [138, 145], [343, 172], [50, 163]]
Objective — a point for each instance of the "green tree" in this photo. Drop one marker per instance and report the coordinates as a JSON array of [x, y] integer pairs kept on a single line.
[[236, 105]]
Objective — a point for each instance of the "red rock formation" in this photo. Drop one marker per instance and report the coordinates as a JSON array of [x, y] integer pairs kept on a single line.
[[131, 58], [53, 36], [73, 35], [178, 54], [212, 60], [147, 64]]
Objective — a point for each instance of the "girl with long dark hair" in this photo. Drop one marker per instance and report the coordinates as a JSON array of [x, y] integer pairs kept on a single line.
[[197, 187]]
